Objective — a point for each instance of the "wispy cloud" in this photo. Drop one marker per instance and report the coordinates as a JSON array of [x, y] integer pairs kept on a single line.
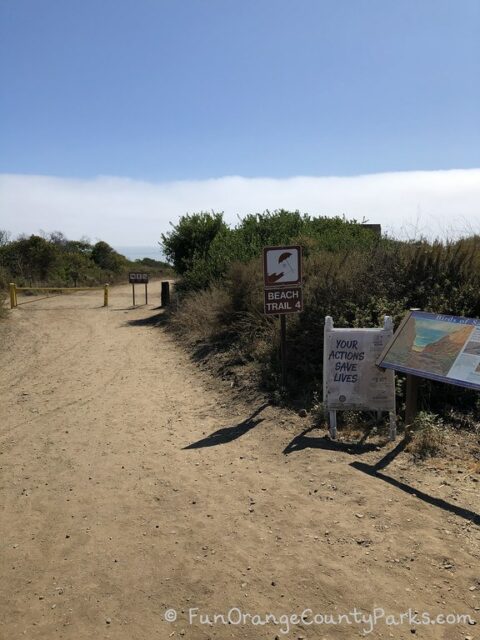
[[131, 212]]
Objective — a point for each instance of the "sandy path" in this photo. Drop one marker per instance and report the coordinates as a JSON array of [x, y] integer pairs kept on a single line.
[[107, 520]]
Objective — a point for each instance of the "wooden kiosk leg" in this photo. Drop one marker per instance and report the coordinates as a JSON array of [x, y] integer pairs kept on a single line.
[[393, 426], [333, 424], [411, 402]]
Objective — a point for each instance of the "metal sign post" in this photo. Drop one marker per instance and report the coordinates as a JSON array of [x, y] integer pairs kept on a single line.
[[283, 293], [283, 349]]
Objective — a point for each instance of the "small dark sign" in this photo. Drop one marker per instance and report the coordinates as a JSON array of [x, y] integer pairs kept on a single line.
[[138, 278], [283, 300]]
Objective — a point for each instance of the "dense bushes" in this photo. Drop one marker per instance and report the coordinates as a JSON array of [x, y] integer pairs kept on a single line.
[[350, 273], [202, 247], [56, 261], [3, 309], [359, 287], [189, 244]]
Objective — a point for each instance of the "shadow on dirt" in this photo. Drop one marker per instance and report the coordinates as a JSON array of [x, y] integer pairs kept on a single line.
[[222, 344], [303, 441], [375, 472], [229, 434], [156, 320]]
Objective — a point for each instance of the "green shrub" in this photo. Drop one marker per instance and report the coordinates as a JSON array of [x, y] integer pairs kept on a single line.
[[202, 248], [3, 301], [349, 273], [58, 262], [107, 258], [31, 257], [190, 240]]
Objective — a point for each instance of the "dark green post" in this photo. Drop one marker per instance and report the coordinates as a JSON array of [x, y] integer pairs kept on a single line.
[[165, 300]]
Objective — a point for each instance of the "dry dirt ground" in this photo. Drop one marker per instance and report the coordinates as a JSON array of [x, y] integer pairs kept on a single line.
[[132, 483]]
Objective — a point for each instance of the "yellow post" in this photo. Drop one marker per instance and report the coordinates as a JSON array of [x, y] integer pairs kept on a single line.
[[12, 296], [105, 296]]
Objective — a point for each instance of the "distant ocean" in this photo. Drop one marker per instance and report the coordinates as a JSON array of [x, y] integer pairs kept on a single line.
[[137, 253], [425, 334]]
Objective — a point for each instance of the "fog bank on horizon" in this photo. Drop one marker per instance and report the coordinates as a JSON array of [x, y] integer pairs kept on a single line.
[[125, 212]]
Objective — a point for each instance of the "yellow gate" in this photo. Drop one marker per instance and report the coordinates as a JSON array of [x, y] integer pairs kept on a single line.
[[13, 292]]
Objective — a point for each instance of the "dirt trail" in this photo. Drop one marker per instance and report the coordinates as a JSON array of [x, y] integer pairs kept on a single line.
[[107, 519]]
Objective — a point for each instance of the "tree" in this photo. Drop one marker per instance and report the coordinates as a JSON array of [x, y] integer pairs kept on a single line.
[[79, 246], [31, 257], [4, 237], [59, 239], [106, 257], [191, 238]]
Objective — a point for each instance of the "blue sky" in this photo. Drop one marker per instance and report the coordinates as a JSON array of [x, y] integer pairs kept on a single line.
[[161, 91]]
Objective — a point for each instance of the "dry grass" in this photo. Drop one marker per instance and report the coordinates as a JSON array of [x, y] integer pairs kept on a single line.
[[201, 315], [4, 280], [428, 436], [3, 303]]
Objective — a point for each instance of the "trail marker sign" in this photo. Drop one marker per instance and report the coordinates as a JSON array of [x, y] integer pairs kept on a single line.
[[282, 266], [283, 294], [283, 300], [138, 278]]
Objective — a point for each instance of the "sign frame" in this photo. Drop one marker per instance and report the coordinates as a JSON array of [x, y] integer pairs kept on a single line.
[[134, 279], [350, 372], [420, 373], [284, 249]]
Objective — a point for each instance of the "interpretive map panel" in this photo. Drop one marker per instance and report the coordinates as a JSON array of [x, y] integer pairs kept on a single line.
[[438, 347]]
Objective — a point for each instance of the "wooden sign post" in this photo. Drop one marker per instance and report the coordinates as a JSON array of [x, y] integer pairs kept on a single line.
[[411, 401], [283, 293], [138, 278]]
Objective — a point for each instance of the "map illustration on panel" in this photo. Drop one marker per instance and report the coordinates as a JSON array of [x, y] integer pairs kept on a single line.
[[436, 346]]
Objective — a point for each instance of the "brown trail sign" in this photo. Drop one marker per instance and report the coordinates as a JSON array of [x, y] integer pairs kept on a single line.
[[282, 266], [138, 278], [283, 300], [283, 293]]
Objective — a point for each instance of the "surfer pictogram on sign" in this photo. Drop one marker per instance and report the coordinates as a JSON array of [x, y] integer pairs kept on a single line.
[[282, 266]]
